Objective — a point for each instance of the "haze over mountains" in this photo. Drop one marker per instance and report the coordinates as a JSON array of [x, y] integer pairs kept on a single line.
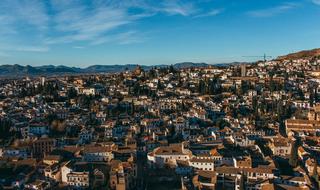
[[19, 70]]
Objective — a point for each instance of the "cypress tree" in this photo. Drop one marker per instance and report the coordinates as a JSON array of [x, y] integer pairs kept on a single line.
[[242, 183], [293, 160], [315, 174]]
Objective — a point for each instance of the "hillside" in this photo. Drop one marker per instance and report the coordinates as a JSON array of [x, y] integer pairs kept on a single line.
[[302, 54]]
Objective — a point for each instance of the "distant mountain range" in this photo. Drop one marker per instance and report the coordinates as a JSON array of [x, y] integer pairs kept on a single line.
[[51, 70]]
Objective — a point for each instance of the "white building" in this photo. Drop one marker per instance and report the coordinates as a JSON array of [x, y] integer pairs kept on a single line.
[[202, 163], [97, 154], [78, 179], [168, 155]]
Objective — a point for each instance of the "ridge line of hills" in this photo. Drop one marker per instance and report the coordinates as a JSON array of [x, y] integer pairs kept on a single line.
[[20, 71]]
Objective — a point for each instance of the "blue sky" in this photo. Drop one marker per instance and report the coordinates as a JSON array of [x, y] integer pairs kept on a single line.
[[87, 32]]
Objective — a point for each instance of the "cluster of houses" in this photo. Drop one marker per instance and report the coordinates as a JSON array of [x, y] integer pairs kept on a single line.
[[249, 126]]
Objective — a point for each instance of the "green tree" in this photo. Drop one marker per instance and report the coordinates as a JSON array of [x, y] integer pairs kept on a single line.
[[172, 69], [244, 87], [315, 174], [202, 87], [293, 160], [132, 108], [242, 182], [5, 128], [221, 123], [160, 85], [72, 93]]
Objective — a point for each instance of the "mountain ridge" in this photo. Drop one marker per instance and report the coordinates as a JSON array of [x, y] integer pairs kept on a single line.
[[50, 70], [20, 70]]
